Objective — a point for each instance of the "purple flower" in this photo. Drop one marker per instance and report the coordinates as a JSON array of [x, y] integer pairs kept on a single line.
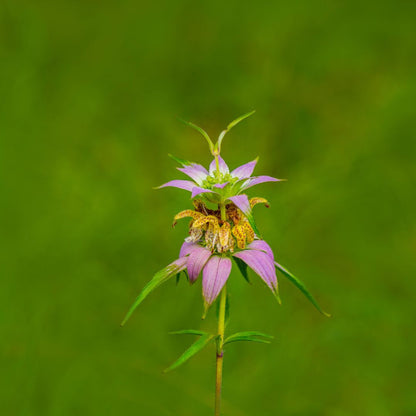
[[218, 235], [216, 268], [218, 180], [222, 229]]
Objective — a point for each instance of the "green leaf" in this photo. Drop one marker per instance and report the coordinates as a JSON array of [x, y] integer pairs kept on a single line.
[[253, 336], [301, 287], [178, 276], [203, 132], [242, 267], [159, 278], [238, 119], [197, 346], [189, 332], [229, 127], [182, 162]]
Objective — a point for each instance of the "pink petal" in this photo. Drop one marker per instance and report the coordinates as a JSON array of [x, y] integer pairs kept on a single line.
[[262, 264], [244, 171], [179, 263], [196, 261], [187, 248], [255, 180], [262, 246], [187, 185], [214, 277], [222, 165], [221, 185], [197, 172], [196, 190], [242, 202]]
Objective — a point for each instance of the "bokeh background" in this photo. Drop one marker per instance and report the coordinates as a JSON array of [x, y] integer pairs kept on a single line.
[[90, 95]]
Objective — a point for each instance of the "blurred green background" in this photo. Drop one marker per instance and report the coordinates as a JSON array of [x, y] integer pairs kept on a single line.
[[90, 95]]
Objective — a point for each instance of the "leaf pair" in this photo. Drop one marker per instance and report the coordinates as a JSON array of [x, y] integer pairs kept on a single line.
[[203, 340], [216, 149]]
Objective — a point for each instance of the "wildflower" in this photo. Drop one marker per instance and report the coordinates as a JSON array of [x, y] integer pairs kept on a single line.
[[218, 235], [221, 230]]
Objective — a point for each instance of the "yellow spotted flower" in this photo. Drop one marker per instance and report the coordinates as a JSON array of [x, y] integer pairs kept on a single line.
[[221, 229]]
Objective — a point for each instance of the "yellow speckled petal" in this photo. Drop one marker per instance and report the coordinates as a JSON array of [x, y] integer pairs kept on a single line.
[[187, 213], [249, 232], [259, 200], [224, 233], [240, 235], [208, 219]]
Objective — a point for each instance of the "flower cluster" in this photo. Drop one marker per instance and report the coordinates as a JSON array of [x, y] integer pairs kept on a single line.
[[216, 235], [222, 228]]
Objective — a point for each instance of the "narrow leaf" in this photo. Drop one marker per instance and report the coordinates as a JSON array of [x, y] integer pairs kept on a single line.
[[242, 267], [301, 287], [203, 132], [197, 346], [229, 127], [189, 332], [250, 339], [182, 162], [238, 119], [253, 336], [159, 278]]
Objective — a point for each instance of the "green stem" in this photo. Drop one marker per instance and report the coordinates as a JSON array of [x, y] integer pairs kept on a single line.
[[220, 351], [217, 164], [223, 212], [221, 331]]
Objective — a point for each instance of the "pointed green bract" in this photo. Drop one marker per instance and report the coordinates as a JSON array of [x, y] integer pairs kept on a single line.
[[277, 296], [229, 127], [203, 132], [159, 278], [182, 162], [178, 276], [242, 267], [253, 336], [189, 332], [197, 346], [301, 287], [238, 119]]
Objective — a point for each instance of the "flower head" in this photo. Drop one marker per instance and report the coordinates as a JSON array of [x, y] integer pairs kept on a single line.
[[222, 227], [226, 231], [218, 181]]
